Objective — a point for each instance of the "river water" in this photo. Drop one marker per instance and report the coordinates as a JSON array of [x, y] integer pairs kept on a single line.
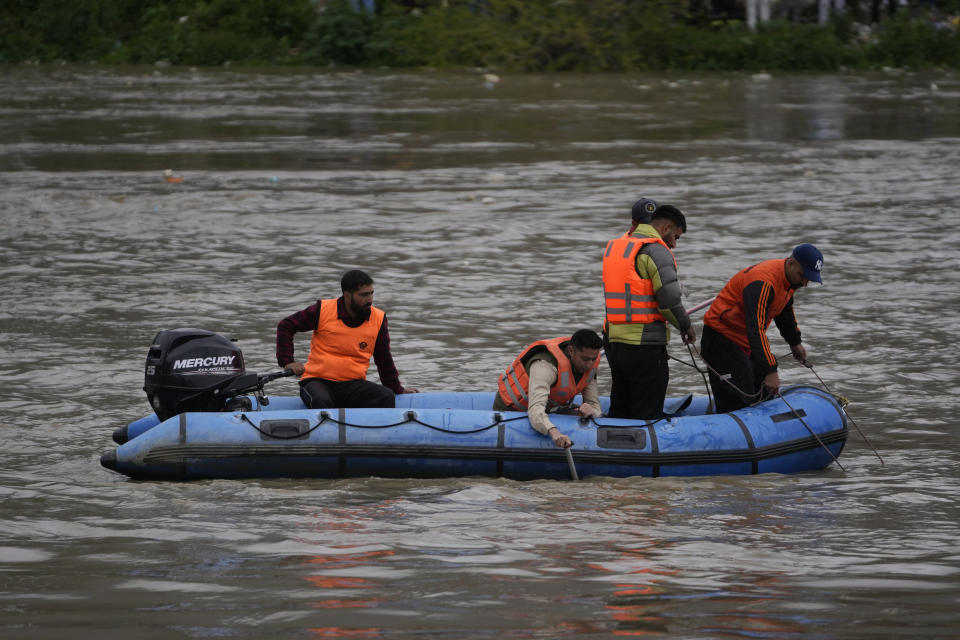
[[481, 209]]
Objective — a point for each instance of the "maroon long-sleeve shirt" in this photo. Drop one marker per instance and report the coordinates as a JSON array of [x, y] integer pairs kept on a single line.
[[308, 319]]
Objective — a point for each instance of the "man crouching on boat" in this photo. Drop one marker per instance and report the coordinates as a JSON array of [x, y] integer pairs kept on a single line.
[[347, 331], [547, 375], [743, 369]]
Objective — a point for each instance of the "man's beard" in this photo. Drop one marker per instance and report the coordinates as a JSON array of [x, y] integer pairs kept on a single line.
[[362, 313]]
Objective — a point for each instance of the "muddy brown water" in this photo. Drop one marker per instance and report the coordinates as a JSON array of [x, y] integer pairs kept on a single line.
[[481, 211]]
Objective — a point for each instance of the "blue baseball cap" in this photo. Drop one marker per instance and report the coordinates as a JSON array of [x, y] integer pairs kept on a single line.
[[810, 259], [643, 210]]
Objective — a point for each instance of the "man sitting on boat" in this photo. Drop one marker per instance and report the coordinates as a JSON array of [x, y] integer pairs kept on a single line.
[[547, 375], [743, 369], [347, 331]]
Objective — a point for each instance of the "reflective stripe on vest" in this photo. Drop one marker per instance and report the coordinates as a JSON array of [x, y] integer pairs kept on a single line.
[[725, 314], [628, 298], [516, 392], [514, 383]]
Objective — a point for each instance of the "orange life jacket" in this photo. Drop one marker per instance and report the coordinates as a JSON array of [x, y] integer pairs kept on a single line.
[[339, 352], [515, 383], [726, 313], [628, 297]]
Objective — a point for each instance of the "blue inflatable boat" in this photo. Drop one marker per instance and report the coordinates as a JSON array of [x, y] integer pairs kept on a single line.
[[434, 435]]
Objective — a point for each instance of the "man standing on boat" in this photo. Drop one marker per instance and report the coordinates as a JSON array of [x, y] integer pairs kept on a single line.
[[743, 369], [642, 294], [347, 331], [547, 375]]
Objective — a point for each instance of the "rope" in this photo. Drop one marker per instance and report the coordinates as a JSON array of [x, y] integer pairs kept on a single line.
[[843, 407], [703, 374], [755, 396], [843, 402], [812, 432], [326, 418], [694, 354]]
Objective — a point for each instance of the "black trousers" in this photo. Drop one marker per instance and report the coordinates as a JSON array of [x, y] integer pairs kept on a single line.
[[639, 376], [317, 393], [729, 364]]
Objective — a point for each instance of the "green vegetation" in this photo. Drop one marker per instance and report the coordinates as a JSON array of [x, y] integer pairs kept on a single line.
[[506, 35]]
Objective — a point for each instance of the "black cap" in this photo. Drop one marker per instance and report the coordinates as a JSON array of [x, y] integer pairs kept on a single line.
[[643, 210]]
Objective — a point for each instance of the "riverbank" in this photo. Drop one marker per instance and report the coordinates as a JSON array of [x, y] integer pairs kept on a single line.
[[502, 35]]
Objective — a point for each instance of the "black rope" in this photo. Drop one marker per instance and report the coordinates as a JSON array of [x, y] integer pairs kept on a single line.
[[366, 426], [685, 363], [326, 418], [415, 420], [841, 401], [756, 396], [843, 407], [703, 374], [812, 432]]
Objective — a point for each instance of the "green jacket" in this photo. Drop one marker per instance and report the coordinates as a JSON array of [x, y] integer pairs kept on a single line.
[[655, 262]]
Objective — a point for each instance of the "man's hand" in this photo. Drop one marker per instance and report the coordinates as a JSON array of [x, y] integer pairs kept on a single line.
[[771, 384], [689, 336], [410, 390], [800, 353], [588, 411], [296, 367], [559, 439]]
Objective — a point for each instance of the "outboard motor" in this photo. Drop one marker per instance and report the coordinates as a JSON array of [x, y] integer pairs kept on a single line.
[[187, 370]]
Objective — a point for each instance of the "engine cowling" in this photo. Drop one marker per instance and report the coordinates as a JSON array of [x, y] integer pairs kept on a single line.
[[185, 367]]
